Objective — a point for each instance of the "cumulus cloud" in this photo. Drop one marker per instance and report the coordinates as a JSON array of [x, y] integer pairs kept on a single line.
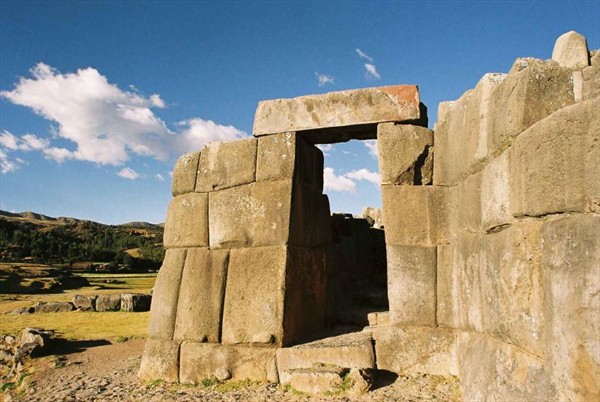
[[104, 123], [325, 148], [372, 147], [128, 173], [8, 164], [324, 79], [332, 182], [365, 56], [364, 174]]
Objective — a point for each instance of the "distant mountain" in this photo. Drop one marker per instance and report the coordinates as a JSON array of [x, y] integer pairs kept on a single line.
[[33, 236]]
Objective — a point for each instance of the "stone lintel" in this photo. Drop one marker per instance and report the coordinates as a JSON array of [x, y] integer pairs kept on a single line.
[[357, 111]]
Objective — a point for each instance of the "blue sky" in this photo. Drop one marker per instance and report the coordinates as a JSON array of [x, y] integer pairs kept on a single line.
[[99, 98]]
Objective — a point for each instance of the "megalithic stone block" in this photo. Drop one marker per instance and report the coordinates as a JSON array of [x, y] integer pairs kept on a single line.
[[570, 50], [226, 164], [254, 297], [184, 173], [591, 78], [201, 294], [187, 221], [358, 107], [160, 360], [163, 309], [405, 154]]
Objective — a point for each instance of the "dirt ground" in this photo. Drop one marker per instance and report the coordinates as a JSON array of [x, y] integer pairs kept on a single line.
[[101, 371]]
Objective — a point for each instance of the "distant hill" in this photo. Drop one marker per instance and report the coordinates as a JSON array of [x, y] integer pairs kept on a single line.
[[33, 236]]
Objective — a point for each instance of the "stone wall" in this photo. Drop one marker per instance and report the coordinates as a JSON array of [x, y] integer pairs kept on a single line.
[[505, 251]]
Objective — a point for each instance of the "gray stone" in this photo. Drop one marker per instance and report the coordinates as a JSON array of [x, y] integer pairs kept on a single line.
[[358, 107], [495, 194], [184, 173], [160, 360], [570, 50], [317, 380], [187, 221], [226, 164], [135, 302], [201, 294], [405, 154], [108, 303], [53, 307], [163, 310], [411, 284], [204, 360], [85, 302]]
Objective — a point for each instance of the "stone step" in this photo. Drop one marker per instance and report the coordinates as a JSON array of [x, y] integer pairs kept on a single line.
[[332, 380], [354, 350]]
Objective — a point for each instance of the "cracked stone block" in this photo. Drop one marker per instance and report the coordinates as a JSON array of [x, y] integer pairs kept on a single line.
[[462, 133], [290, 156], [405, 154], [357, 107], [204, 360], [201, 294], [591, 78], [135, 302], [495, 193], [417, 215], [416, 350], [570, 268], [252, 215], [252, 272], [160, 360], [317, 380], [554, 165], [468, 203], [571, 51], [108, 303], [85, 302], [163, 310], [226, 164], [184, 173], [187, 221], [411, 280]]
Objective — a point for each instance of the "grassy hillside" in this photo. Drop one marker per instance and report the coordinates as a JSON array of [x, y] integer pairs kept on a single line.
[[38, 238]]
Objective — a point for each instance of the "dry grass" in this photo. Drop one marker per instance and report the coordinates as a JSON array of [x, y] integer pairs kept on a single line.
[[81, 325]]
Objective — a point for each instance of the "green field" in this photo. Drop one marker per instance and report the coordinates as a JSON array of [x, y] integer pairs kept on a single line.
[[76, 324]]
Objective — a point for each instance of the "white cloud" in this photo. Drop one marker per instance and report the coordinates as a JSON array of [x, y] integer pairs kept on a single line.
[[372, 147], [325, 148], [128, 173], [332, 182], [160, 177], [365, 56], [7, 164], [371, 72], [364, 174], [324, 79], [104, 123]]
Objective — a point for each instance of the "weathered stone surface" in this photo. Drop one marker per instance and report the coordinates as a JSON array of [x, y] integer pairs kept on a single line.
[[166, 293], [305, 293], [591, 78], [160, 360], [533, 90], [201, 294], [256, 214], [411, 284], [467, 198], [310, 223], [565, 176], [495, 194], [379, 318], [416, 350], [317, 380], [204, 360], [571, 271], [290, 156], [570, 50], [360, 381], [349, 351], [416, 215], [108, 303], [187, 221], [254, 297], [338, 109], [53, 307], [85, 302], [496, 371], [135, 302], [462, 133], [184, 173], [405, 154], [226, 164]]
